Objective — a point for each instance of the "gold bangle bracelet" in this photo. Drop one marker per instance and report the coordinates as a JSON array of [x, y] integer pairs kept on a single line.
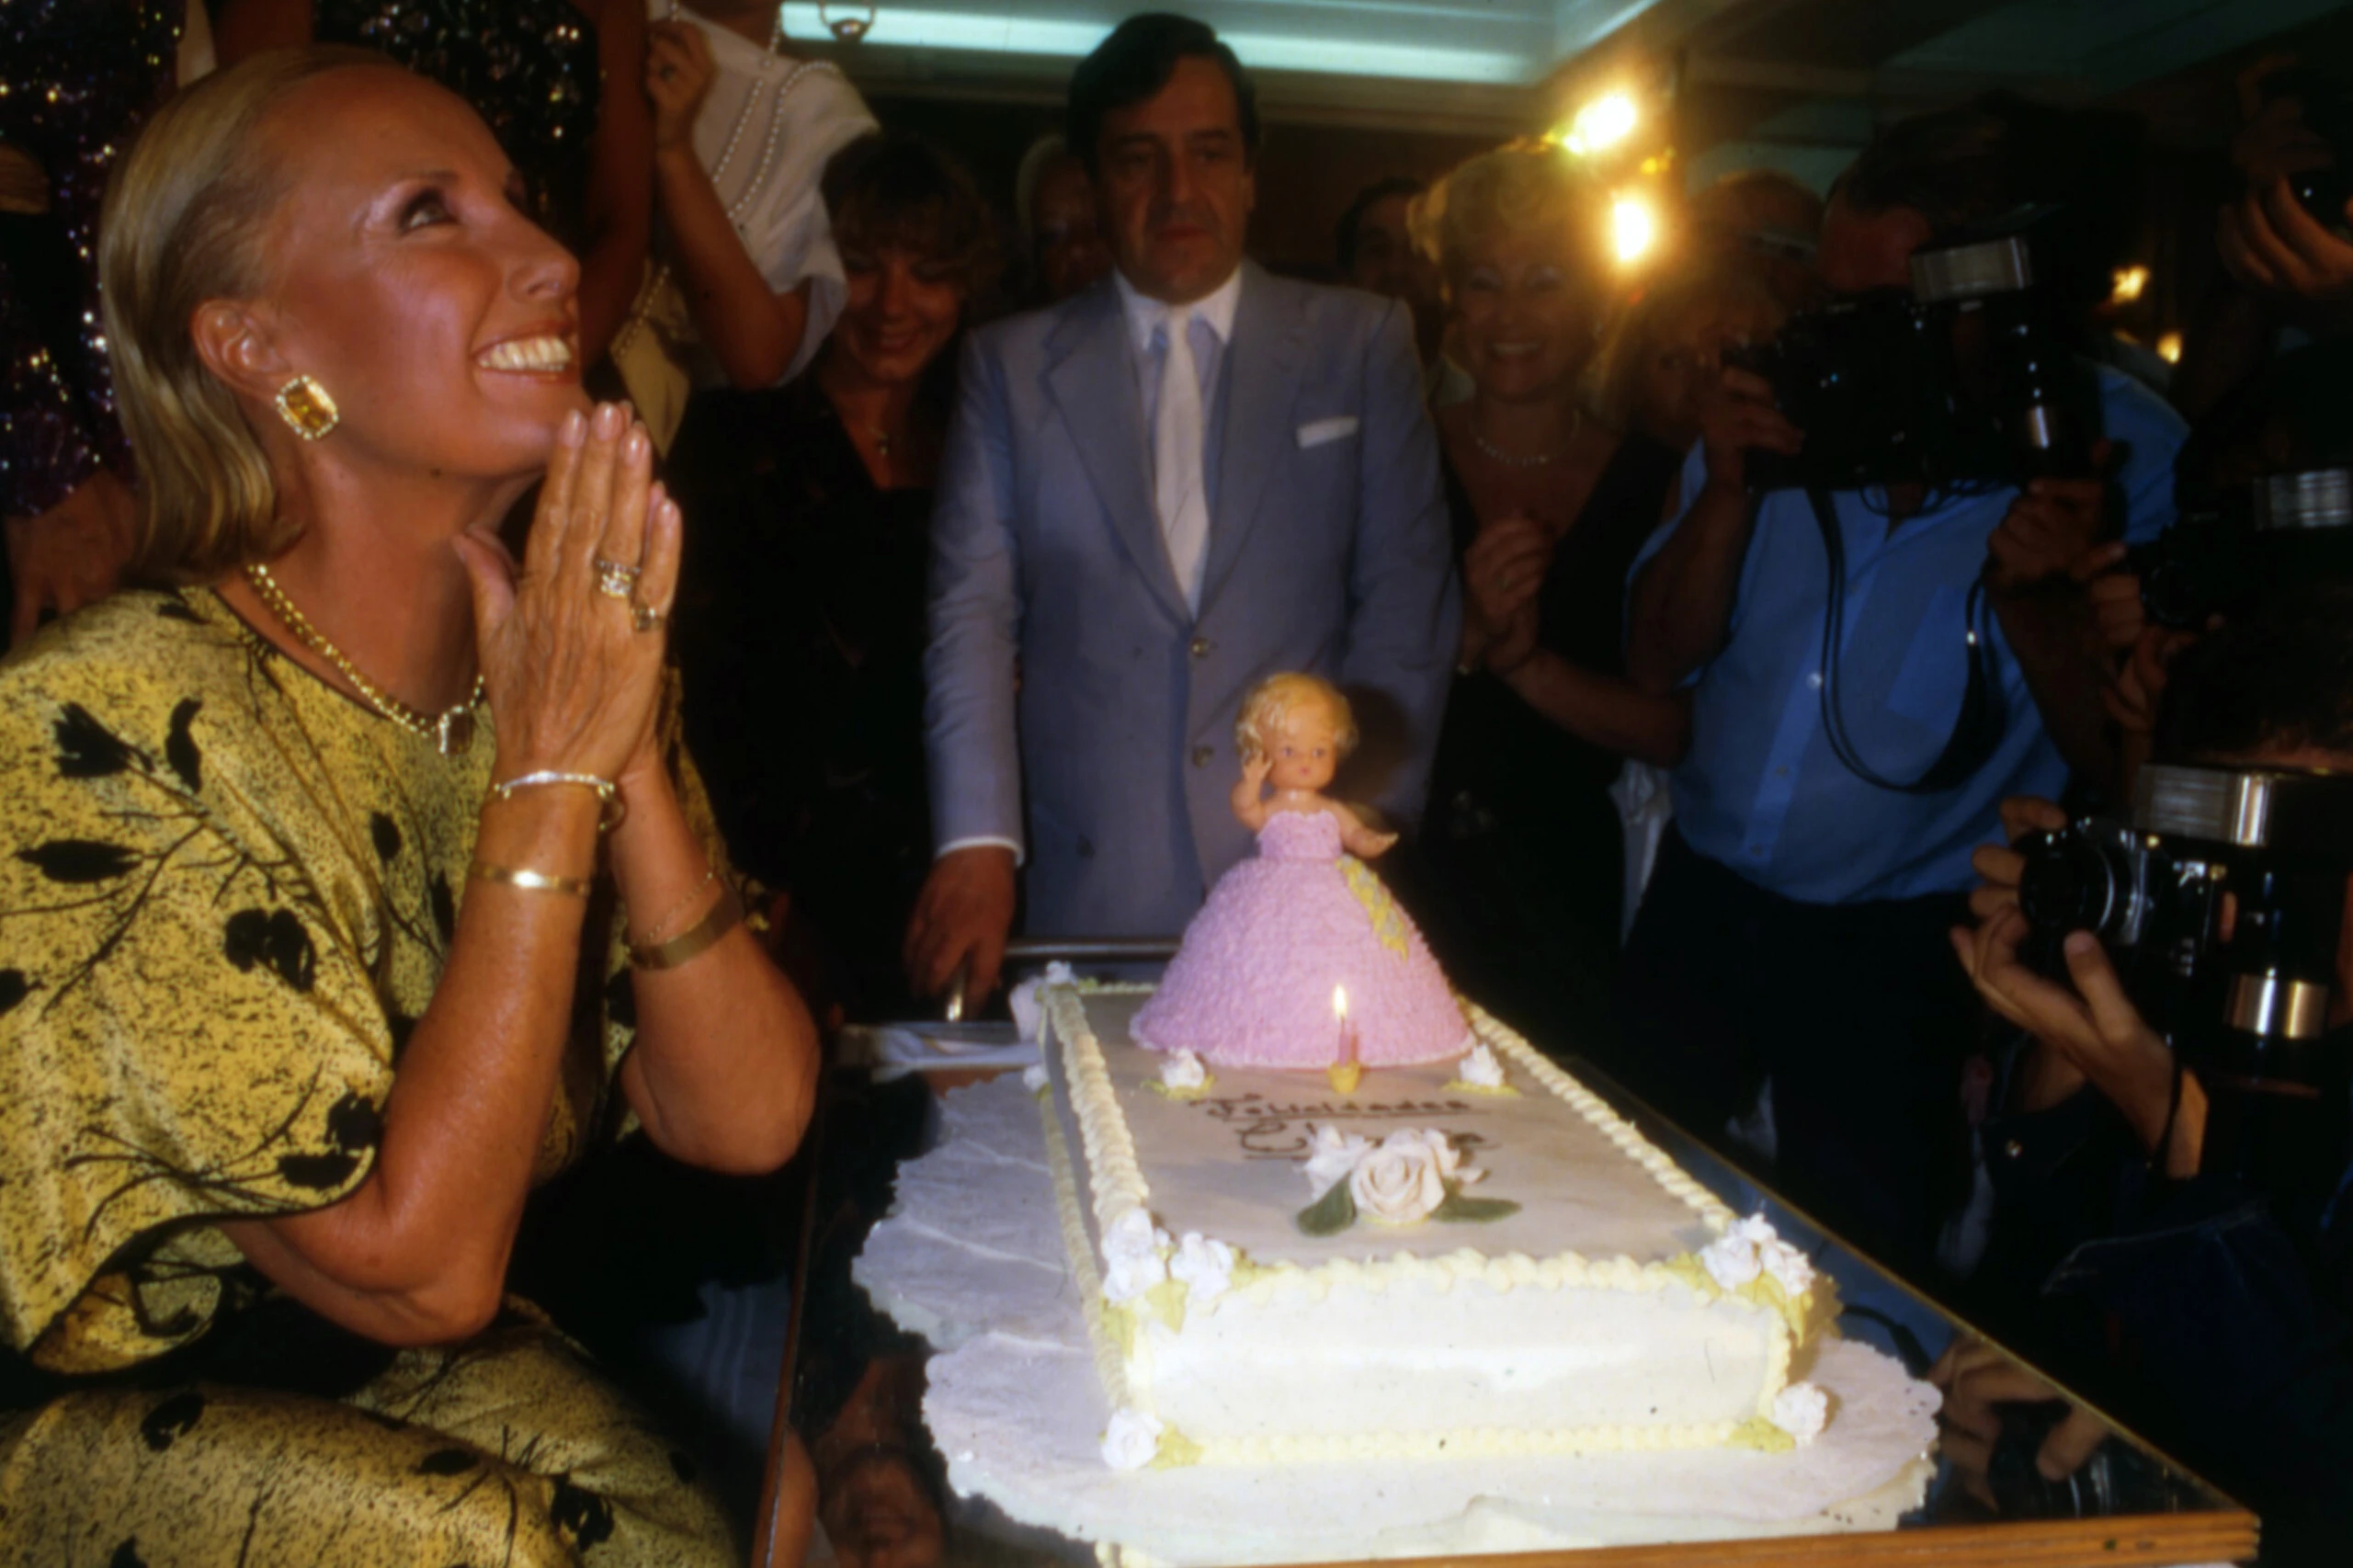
[[653, 932], [722, 918], [612, 810], [530, 882]]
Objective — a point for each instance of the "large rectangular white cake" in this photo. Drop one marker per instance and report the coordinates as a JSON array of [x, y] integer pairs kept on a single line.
[[1575, 1291]]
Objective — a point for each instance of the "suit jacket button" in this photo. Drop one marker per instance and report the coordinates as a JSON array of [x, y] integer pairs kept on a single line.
[[1200, 647], [1204, 755]]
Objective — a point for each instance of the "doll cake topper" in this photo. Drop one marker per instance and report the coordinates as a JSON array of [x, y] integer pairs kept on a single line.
[[1294, 732], [1285, 935]]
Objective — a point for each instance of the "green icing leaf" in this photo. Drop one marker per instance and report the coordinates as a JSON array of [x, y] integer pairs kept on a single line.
[[1755, 1433], [1474, 1211], [1166, 1301], [1175, 1450], [1330, 1214], [1119, 1323]]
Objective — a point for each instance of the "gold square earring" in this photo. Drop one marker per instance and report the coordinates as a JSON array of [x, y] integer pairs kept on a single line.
[[307, 409]]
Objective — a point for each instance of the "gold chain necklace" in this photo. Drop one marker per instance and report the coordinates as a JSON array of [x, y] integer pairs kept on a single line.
[[452, 729]]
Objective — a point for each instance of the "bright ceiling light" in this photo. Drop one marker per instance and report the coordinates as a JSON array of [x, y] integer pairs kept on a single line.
[[1633, 229], [1601, 124], [2130, 284]]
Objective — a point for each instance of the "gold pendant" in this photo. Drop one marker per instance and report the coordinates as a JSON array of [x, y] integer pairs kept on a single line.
[[454, 731]]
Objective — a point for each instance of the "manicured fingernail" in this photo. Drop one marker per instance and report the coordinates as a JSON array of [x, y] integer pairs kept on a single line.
[[637, 446], [2081, 944], [573, 428], [609, 421]]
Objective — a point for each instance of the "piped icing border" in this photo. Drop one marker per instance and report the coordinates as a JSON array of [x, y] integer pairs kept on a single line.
[[1123, 1356]]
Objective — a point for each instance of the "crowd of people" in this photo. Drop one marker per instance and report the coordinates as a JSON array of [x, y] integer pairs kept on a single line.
[[542, 495]]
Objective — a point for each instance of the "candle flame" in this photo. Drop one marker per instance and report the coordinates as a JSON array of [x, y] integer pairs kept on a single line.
[[1340, 1002]]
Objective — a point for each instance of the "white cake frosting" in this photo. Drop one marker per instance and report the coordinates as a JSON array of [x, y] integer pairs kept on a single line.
[[1276, 1272]]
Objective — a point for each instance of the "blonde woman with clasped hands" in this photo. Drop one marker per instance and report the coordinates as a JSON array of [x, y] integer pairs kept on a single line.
[[353, 877]]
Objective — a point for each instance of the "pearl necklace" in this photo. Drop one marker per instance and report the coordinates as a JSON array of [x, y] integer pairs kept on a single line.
[[658, 276], [791, 79], [452, 729]]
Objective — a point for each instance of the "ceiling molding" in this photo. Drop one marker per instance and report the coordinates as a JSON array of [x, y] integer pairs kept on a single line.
[[1299, 97]]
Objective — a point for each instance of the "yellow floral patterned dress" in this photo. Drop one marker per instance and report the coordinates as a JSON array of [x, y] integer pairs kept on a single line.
[[227, 891]]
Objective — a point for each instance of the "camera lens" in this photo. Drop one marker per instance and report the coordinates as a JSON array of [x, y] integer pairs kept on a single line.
[[2069, 885]]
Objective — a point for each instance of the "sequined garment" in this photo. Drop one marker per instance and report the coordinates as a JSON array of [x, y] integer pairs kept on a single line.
[[529, 67], [77, 78]]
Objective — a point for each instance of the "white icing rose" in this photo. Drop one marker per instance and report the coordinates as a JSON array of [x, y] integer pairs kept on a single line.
[[1033, 1078], [1183, 1070], [1059, 972], [1750, 1247], [1333, 1155], [1480, 1069], [1135, 1256], [1731, 1259], [1801, 1410], [1448, 1158], [1400, 1182], [1029, 1013], [1205, 1268], [1132, 1439], [1787, 1265]]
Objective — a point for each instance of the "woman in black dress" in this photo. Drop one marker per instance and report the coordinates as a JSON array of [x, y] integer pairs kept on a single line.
[[803, 631], [1521, 858]]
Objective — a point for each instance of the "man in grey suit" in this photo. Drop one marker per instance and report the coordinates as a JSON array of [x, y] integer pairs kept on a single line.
[[1189, 477]]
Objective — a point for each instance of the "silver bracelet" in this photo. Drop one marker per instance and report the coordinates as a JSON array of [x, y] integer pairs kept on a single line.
[[615, 810]]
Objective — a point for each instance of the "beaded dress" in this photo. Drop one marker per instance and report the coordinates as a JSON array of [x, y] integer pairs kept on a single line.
[[77, 79], [529, 67]]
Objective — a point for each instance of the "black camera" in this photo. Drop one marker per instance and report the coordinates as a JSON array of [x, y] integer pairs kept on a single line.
[[1968, 378], [2221, 903], [2282, 531], [2326, 109]]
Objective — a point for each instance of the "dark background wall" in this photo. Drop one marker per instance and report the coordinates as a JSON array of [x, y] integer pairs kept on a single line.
[[1307, 174]]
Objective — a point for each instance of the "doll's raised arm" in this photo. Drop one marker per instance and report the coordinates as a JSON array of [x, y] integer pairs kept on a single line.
[[1250, 805]]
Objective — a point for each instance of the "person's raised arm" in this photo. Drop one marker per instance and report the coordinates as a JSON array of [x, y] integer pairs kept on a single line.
[[418, 1253], [1404, 600], [1679, 609], [2049, 621], [755, 331], [618, 214], [1603, 710], [965, 910]]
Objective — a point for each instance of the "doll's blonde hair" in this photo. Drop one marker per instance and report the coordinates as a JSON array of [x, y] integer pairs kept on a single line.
[[1275, 699]]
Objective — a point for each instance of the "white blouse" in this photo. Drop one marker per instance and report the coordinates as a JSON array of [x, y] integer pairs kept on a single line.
[[765, 131]]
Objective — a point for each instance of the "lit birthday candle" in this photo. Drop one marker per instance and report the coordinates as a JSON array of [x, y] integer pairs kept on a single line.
[[1345, 1069]]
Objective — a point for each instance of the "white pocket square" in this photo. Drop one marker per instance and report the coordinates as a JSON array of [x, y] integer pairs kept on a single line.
[[1315, 432]]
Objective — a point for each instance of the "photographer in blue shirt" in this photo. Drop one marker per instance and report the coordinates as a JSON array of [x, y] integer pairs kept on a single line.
[[1795, 925]]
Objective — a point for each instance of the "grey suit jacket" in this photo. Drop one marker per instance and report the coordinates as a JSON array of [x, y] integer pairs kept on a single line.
[[1074, 705]]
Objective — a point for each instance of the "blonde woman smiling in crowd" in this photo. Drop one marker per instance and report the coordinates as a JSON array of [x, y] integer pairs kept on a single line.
[[1548, 506], [354, 880]]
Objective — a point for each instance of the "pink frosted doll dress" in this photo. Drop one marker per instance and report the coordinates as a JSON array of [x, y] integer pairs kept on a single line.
[[1251, 987]]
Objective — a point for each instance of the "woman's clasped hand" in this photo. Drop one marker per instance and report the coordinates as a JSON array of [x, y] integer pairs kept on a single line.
[[570, 643]]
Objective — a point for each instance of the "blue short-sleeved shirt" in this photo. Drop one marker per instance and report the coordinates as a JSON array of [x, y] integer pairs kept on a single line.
[[1763, 793]]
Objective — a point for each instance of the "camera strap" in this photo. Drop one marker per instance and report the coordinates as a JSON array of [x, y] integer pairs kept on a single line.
[[1978, 728]]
